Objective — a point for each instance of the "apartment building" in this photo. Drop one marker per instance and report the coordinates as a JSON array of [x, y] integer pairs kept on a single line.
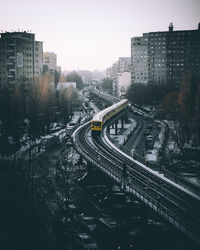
[[21, 57], [124, 64], [109, 72], [183, 54], [164, 57], [50, 59], [124, 81], [118, 73], [139, 59]]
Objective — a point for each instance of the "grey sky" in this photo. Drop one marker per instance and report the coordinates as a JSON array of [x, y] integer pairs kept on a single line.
[[92, 34]]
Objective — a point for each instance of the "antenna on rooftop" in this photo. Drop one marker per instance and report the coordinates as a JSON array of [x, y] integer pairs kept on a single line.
[[171, 27]]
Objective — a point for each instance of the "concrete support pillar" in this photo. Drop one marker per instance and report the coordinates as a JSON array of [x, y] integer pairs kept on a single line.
[[126, 115], [122, 121], [108, 129], [116, 127]]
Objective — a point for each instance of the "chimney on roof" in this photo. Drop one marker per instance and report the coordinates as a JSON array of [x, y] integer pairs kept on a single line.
[[171, 27]]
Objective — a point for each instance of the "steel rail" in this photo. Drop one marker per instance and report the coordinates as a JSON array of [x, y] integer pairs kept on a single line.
[[169, 208]]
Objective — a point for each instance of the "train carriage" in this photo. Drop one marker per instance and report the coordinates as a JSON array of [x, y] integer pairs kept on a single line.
[[100, 118]]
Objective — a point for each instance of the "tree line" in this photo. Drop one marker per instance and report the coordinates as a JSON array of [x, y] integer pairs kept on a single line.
[[29, 108], [183, 106], [178, 103]]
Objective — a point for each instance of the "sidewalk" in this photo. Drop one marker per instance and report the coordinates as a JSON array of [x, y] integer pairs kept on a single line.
[[122, 134]]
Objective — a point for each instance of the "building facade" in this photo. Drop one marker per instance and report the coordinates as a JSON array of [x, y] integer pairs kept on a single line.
[[124, 64], [164, 57], [86, 75], [116, 72], [109, 72], [124, 81], [50, 59], [59, 69], [112, 71], [139, 59], [21, 57]]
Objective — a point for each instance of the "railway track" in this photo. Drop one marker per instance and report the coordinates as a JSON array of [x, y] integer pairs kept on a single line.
[[177, 206]]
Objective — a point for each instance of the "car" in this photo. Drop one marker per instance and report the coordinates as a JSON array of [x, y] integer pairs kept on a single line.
[[88, 224], [149, 151], [149, 138], [149, 125], [151, 156], [146, 132], [85, 241], [68, 143]]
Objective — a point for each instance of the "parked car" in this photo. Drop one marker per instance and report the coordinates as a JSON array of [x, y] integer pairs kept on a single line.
[[146, 132], [151, 156], [149, 125], [50, 141], [85, 241], [88, 224], [149, 138], [69, 143]]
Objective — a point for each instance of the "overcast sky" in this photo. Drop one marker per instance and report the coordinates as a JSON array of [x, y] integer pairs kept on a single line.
[[93, 34]]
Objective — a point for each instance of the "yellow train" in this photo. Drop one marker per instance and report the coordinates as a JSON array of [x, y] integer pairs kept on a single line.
[[100, 118]]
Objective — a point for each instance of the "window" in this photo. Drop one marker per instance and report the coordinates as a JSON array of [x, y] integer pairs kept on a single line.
[[96, 124]]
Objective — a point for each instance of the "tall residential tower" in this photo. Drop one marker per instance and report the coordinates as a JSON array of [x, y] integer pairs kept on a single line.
[[164, 57], [21, 57], [50, 59]]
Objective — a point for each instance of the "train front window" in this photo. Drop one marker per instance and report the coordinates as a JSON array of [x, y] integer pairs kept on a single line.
[[96, 124]]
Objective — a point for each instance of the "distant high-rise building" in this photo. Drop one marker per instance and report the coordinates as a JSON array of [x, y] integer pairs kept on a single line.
[[86, 75], [115, 72], [164, 57], [139, 59], [124, 81], [109, 72], [21, 57], [124, 64], [112, 71], [59, 69], [50, 59]]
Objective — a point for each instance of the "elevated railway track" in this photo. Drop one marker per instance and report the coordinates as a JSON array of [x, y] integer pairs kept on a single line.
[[180, 208], [177, 205]]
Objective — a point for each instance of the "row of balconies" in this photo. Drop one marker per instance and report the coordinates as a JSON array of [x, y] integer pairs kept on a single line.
[[11, 70], [10, 50], [9, 63], [10, 76]]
